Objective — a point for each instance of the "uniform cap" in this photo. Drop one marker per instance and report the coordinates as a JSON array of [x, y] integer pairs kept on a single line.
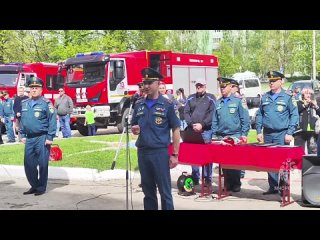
[[235, 82], [35, 82], [150, 75], [274, 75], [201, 81], [225, 81]]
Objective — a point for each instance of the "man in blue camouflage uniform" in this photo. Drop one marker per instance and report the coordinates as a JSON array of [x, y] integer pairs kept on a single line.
[[1, 117], [8, 115], [278, 116], [152, 119], [38, 128], [231, 119]]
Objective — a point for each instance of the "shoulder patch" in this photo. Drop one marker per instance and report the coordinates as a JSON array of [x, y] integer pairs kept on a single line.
[[168, 100], [288, 93], [140, 100]]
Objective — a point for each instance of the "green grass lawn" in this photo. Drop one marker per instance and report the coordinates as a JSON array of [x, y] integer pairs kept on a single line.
[[96, 152]]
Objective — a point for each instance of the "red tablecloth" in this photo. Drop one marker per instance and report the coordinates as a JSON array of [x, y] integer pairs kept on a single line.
[[247, 157]]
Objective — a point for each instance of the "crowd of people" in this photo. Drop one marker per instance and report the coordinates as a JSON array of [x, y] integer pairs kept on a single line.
[[281, 117], [157, 119], [10, 114]]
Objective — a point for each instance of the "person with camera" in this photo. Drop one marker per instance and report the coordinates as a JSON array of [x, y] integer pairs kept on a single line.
[[308, 110]]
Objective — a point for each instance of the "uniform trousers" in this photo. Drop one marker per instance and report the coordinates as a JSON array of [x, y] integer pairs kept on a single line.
[[155, 172], [272, 136], [36, 154]]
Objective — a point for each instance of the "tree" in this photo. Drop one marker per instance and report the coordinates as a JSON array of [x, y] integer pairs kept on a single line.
[[185, 41]]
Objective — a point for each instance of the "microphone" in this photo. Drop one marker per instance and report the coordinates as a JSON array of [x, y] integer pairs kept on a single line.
[[134, 98]]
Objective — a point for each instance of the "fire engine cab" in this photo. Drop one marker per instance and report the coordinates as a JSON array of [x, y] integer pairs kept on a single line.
[[15, 75], [107, 81]]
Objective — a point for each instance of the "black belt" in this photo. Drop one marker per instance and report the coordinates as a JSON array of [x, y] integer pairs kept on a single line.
[[33, 135]]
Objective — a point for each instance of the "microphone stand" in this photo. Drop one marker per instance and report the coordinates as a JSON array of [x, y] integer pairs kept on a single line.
[[126, 128]]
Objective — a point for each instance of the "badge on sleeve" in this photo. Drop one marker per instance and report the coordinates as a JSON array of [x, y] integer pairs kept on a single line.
[[51, 109], [36, 114], [294, 102]]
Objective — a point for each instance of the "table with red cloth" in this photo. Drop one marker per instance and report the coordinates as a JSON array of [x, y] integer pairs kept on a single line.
[[249, 157]]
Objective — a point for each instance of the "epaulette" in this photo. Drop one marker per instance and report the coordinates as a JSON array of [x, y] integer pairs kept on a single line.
[[25, 100], [140, 100]]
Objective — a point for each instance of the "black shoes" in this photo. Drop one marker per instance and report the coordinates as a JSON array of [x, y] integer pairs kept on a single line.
[[208, 182], [195, 182], [236, 189], [270, 191], [33, 191], [30, 191], [38, 193]]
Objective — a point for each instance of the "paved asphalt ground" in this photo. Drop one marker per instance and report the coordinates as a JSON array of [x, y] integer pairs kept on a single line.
[[110, 194], [107, 191]]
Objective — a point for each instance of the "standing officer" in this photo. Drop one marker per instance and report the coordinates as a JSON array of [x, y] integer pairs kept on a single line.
[[230, 119], [1, 117], [152, 119], [8, 115], [278, 116], [17, 108], [38, 128]]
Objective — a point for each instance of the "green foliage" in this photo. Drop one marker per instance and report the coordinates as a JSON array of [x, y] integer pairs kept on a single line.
[[227, 62], [57, 45], [254, 50], [185, 41]]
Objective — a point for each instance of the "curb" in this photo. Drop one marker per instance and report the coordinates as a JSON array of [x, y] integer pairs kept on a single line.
[[66, 173], [86, 174]]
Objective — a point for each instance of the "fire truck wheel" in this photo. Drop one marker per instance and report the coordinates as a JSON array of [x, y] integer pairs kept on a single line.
[[83, 130]]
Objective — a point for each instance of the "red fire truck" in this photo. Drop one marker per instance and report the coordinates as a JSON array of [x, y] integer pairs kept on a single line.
[[15, 75], [107, 81]]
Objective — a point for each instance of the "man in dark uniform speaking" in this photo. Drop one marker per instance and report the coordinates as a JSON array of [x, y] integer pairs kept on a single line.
[[38, 128], [152, 119]]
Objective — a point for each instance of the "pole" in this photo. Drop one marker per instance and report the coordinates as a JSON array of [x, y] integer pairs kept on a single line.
[[127, 162], [126, 128], [314, 63]]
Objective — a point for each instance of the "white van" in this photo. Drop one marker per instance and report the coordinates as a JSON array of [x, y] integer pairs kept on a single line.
[[250, 85]]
